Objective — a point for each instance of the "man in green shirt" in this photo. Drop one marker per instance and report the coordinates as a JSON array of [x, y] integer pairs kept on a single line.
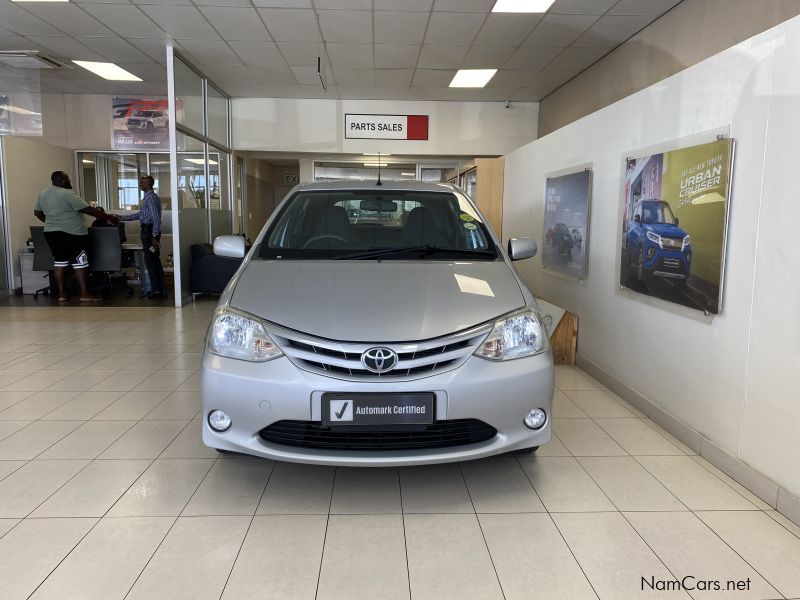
[[62, 213]]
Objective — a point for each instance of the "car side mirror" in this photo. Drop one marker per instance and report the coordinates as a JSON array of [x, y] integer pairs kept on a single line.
[[229, 245], [677, 221], [521, 248], [637, 218]]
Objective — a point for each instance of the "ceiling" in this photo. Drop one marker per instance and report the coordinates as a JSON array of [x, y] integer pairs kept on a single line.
[[381, 49]]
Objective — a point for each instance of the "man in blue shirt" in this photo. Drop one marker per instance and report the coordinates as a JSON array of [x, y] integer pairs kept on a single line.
[[149, 215]]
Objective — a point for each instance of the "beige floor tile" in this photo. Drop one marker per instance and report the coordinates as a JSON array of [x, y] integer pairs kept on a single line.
[[298, 489], [189, 444], [583, 437], [280, 558], [7, 525], [194, 560], [8, 428], [359, 544], [637, 438], [88, 440], [122, 381], [117, 360], [93, 490], [154, 360], [36, 406], [84, 406], [146, 439], [523, 545], [132, 406], [572, 378], [231, 487], [365, 491], [783, 520], [83, 380], [9, 376], [598, 404], [9, 466], [628, 485], [29, 486], [33, 549], [188, 361], [689, 548], [9, 399], [499, 485], [555, 447], [666, 434], [34, 439], [39, 380], [563, 485], [758, 502], [167, 381], [767, 546], [448, 559], [191, 385], [564, 408], [178, 405], [24, 360], [434, 489], [106, 563], [613, 556], [163, 489], [693, 485]]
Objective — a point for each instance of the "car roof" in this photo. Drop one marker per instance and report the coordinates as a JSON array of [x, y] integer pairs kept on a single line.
[[370, 184]]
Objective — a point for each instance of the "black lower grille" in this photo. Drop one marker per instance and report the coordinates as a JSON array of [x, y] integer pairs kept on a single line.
[[441, 434]]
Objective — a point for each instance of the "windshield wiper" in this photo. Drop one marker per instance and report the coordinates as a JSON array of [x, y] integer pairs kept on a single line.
[[422, 249]]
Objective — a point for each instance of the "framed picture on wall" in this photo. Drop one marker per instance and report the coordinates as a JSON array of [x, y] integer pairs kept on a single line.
[[674, 223], [566, 223]]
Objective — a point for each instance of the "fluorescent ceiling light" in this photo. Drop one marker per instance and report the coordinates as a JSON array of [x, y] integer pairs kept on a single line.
[[374, 164], [522, 6], [472, 78], [375, 154], [200, 161], [18, 110], [408, 174], [106, 70]]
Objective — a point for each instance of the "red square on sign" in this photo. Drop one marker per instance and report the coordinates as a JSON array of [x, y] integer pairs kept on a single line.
[[417, 127]]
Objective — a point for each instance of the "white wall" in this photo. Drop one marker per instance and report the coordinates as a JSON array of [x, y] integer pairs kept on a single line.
[[732, 379], [455, 128]]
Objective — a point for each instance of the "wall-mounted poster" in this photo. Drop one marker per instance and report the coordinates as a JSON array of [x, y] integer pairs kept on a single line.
[[139, 124], [674, 222], [566, 223]]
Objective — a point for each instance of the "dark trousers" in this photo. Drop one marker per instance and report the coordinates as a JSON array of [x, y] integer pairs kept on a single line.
[[152, 261]]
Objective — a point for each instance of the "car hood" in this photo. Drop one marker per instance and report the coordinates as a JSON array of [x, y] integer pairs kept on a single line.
[[666, 230], [388, 301]]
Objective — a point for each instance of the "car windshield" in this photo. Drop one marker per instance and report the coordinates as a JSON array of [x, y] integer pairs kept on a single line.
[[657, 212], [144, 113], [377, 224]]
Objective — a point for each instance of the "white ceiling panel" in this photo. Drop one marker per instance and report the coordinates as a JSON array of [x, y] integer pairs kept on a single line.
[[651, 8], [154, 48], [350, 55], [547, 81], [423, 5], [66, 47], [68, 18], [356, 92], [277, 75], [105, 1], [237, 3], [352, 26], [15, 42], [290, 25], [114, 49], [298, 55], [396, 55], [442, 57], [487, 57], [581, 7], [433, 77], [453, 28], [559, 31], [506, 29], [163, 2], [19, 21], [482, 6], [531, 57], [236, 24], [343, 4], [221, 73], [148, 71], [348, 77], [609, 32], [393, 77], [308, 75], [209, 51], [183, 22], [124, 19], [258, 53], [400, 27], [391, 92], [282, 3], [576, 59], [511, 78]]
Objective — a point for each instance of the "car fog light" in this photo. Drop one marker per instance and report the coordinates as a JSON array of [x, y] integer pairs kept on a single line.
[[219, 421], [535, 419]]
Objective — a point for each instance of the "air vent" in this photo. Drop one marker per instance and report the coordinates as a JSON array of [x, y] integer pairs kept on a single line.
[[31, 59]]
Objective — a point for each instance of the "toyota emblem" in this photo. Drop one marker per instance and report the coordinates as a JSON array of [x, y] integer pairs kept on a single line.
[[379, 360]]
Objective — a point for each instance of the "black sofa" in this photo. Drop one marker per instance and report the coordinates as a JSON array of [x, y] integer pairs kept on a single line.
[[211, 273]]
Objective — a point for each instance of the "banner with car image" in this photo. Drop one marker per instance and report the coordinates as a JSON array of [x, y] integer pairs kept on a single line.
[[566, 223], [674, 222], [139, 124]]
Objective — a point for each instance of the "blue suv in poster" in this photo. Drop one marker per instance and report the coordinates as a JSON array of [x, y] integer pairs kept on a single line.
[[656, 246]]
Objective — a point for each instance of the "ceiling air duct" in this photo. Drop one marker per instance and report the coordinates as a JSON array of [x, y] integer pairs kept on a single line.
[[30, 59]]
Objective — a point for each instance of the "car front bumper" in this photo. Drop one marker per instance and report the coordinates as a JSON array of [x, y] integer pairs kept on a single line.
[[256, 395]]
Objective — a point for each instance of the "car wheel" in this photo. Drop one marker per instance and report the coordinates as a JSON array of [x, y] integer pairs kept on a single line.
[[149, 125], [640, 265]]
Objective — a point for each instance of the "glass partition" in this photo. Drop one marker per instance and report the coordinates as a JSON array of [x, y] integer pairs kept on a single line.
[[189, 97], [217, 106]]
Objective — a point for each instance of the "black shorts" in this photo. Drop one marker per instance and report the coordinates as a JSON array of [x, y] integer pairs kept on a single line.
[[68, 249]]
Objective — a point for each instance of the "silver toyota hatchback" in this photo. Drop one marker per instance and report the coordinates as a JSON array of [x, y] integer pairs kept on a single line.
[[376, 325]]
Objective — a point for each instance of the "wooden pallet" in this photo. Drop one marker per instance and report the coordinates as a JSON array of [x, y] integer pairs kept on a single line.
[[564, 340]]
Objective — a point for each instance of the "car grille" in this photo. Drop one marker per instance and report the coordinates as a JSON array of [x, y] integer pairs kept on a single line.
[[342, 360], [671, 243], [672, 263], [441, 434]]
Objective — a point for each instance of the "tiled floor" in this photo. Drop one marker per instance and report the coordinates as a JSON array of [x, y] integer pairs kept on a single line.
[[106, 492]]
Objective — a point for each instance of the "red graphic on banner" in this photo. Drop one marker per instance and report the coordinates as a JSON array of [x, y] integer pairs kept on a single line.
[[417, 127]]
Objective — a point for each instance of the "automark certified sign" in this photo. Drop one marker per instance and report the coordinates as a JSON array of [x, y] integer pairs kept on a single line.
[[386, 127]]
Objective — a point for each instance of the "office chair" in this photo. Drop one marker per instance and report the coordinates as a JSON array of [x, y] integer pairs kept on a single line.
[[42, 257], [105, 255]]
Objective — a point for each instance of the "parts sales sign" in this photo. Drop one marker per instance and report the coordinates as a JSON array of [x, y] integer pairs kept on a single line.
[[386, 127]]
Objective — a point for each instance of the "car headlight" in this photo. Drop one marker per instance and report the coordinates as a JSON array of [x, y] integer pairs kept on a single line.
[[514, 336], [235, 334], [686, 241], [654, 237]]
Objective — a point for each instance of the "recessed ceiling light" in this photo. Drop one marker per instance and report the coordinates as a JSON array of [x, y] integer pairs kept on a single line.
[[472, 78], [107, 70], [374, 164], [200, 161], [522, 6], [18, 110], [375, 154]]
